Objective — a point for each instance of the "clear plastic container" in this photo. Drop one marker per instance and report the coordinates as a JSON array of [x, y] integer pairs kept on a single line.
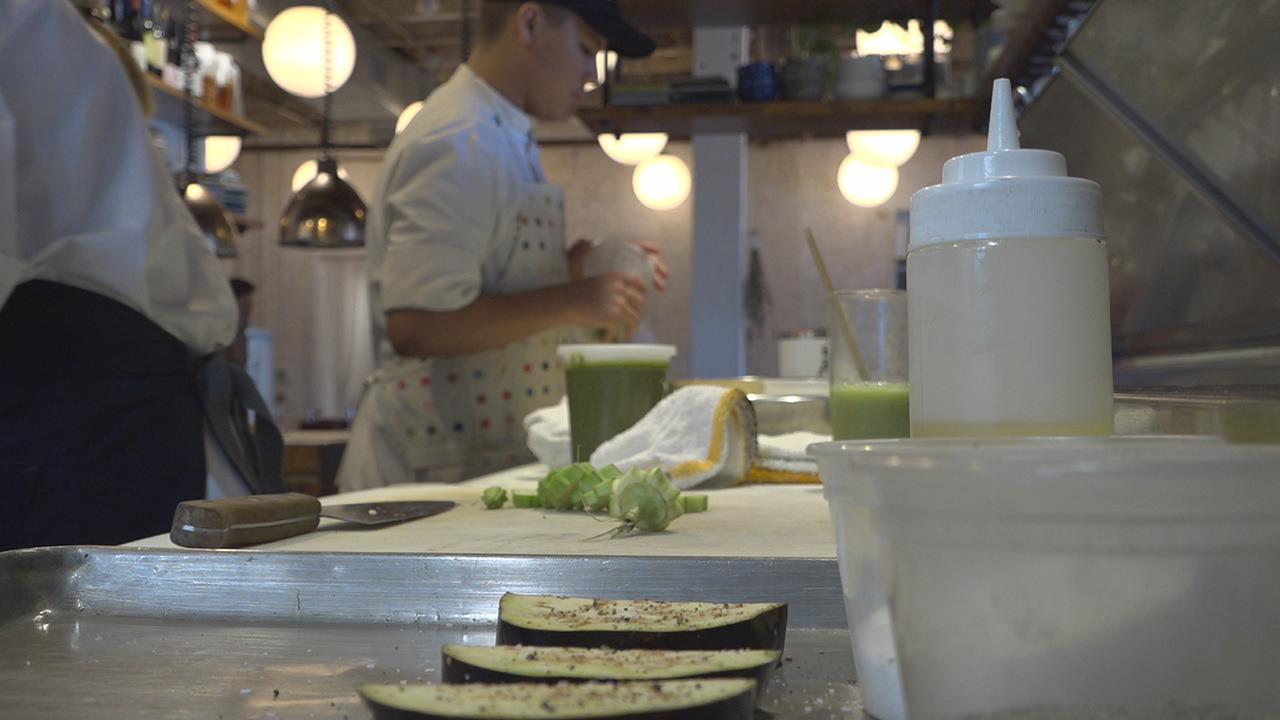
[[862, 581], [1062, 577]]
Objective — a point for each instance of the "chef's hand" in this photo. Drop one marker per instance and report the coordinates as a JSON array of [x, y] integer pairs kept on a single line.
[[582, 247], [578, 257], [610, 302], [660, 272]]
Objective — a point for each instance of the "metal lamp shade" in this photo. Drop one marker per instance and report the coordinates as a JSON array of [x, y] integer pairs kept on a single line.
[[219, 232], [325, 213]]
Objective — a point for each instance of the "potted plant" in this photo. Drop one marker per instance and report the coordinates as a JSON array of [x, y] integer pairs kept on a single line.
[[808, 63]]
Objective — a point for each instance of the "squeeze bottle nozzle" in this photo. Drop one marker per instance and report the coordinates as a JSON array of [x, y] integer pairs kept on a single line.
[[1002, 128]]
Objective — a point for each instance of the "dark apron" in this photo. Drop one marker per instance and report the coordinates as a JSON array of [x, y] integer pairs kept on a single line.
[[101, 421]]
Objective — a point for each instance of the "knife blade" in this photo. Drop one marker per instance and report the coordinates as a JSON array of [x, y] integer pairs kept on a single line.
[[253, 519]]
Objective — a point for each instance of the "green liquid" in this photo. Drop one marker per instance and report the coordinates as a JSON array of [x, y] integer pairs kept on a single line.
[[870, 410], [607, 398]]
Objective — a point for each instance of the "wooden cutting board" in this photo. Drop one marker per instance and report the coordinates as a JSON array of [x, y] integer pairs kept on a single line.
[[751, 521]]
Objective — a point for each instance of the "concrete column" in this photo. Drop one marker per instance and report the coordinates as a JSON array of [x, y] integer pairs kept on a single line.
[[717, 321]]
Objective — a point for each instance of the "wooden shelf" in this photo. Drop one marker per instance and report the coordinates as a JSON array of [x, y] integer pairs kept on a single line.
[[655, 15], [220, 17], [217, 21], [784, 119], [209, 120]]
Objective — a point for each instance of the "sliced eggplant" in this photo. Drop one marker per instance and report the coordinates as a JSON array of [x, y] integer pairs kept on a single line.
[[719, 699], [622, 624], [516, 663]]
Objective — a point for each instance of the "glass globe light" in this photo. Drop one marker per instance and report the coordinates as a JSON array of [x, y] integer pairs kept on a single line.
[[866, 185], [883, 148], [293, 49], [662, 183], [632, 148], [220, 151]]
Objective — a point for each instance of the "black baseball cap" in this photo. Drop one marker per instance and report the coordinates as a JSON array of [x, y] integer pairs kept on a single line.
[[603, 17]]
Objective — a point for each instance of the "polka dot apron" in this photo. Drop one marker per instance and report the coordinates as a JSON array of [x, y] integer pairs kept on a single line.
[[450, 418]]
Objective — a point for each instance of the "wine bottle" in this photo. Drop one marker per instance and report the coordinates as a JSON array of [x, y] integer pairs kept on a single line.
[[159, 54], [146, 29]]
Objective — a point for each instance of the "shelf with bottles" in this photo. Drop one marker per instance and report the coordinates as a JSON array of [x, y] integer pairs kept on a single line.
[[219, 20], [209, 119], [914, 93], [151, 29], [785, 118]]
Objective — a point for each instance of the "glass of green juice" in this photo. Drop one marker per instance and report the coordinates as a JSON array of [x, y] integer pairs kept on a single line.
[[610, 387], [868, 400]]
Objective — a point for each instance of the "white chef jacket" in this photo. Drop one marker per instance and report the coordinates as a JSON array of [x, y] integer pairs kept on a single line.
[[84, 200], [445, 197]]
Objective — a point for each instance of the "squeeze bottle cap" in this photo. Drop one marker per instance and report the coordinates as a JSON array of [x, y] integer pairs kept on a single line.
[[1005, 191]]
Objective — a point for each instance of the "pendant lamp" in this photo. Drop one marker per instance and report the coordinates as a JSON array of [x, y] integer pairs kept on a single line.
[[219, 232], [327, 212]]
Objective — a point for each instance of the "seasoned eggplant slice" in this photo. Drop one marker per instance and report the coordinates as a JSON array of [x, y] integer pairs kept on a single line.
[[516, 663], [719, 699], [593, 622]]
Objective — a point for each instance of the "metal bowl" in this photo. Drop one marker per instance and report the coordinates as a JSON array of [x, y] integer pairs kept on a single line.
[[782, 405], [779, 414]]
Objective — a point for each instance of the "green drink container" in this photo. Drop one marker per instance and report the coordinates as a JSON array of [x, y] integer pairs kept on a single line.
[[610, 387], [869, 399], [865, 410]]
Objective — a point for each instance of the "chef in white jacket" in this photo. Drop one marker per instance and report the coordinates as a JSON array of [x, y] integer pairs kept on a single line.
[[110, 299], [470, 281]]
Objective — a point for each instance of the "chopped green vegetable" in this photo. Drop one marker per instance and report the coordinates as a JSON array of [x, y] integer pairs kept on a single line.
[[493, 497], [641, 499], [556, 491], [693, 503], [596, 497], [525, 500], [644, 500]]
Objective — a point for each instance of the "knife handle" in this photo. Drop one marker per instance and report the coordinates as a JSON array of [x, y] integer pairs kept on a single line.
[[240, 521]]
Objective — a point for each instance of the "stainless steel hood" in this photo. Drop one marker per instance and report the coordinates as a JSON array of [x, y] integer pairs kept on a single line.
[[1173, 107]]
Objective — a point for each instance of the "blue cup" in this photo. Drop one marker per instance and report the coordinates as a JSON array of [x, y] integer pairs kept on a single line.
[[757, 82]]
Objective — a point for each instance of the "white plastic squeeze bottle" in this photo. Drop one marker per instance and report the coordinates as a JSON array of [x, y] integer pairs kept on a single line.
[[1008, 297]]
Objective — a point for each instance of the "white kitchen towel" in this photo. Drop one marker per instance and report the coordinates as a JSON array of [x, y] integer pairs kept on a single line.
[[783, 459], [547, 434], [657, 441], [702, 435]]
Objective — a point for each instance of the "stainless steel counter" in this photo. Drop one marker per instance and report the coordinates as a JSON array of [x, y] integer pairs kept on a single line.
[[154, 632], [144, 633], [1238, 414]]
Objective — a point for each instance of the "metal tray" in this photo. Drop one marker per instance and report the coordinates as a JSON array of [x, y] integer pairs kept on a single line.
[[113, 632]]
